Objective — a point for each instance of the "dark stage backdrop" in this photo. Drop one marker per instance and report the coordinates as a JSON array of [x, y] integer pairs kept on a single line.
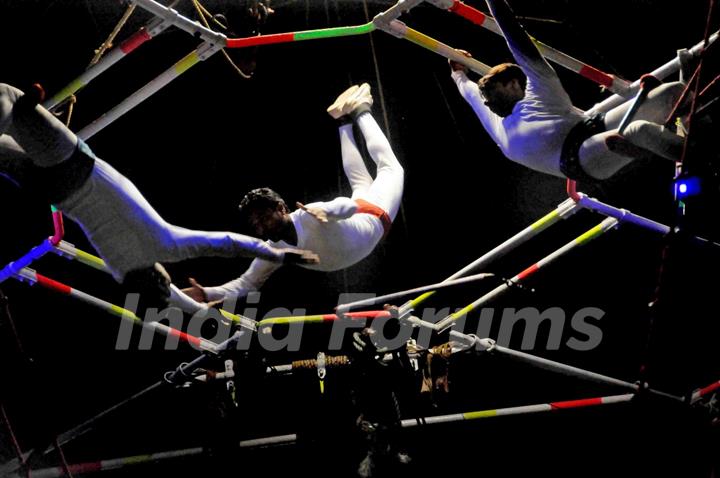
[[199, 144]]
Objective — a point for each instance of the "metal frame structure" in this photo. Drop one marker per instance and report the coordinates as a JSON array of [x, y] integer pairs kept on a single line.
[[388, 22]]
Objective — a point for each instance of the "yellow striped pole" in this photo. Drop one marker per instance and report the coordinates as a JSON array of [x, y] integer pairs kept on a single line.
[[604, 226], [563, 211], [527, 409], [203, 52]]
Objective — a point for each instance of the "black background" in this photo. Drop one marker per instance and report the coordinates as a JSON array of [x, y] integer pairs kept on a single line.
[[199, 144]]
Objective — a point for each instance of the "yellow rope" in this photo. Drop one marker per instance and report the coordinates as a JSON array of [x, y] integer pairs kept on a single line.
[[202, 13]]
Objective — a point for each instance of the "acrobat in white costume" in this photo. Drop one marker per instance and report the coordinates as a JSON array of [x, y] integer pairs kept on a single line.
[[119, 222], [355, 225], [544, 121]]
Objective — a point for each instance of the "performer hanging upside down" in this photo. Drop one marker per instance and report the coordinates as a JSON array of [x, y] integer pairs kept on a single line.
[[39, 152], [529, 115], [342, 231]]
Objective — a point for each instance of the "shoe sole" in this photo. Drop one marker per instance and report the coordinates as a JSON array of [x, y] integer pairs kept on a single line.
[[336, 109], [355, 100]]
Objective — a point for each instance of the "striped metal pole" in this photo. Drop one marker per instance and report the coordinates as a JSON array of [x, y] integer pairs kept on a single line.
[[432, 287], [612, 83], [15, 267], [384, 17], [669, 68], [370, 314], [563, 211], [524, 410], [300, 36], [593, 233], [115, 55], [183, 23], [58, 226], [69, 251], [400, 30], [118, 463], [39, 251], [394, 12], [621, 215], [48, 283], [625, 216], [698, 394], [203, 52]]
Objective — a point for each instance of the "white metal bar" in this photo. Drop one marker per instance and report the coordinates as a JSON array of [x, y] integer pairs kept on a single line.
[[203, 52]]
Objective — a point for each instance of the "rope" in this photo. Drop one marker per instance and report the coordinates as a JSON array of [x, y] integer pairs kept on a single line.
[[668, 249], [63, 461], [383, 107], [202, 13], [5, 304], [71, 107], [13, 438], [99, 52], [107, 44], [11, 323], [442, 350], [337, 361]]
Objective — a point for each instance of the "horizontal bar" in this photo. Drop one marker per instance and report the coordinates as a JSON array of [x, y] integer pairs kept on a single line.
[[300, 36], [612, 83], [370, 314], [500, 412]]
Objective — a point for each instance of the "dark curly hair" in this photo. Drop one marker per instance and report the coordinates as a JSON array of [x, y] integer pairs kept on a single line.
[[260, 199]]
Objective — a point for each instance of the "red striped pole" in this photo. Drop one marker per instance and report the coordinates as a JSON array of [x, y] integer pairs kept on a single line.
[[612, 83], [698, 394], [114, 56], [48, 283], [524, 410]]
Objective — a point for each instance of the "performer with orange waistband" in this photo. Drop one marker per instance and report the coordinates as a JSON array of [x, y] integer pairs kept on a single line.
[[342, 231]]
